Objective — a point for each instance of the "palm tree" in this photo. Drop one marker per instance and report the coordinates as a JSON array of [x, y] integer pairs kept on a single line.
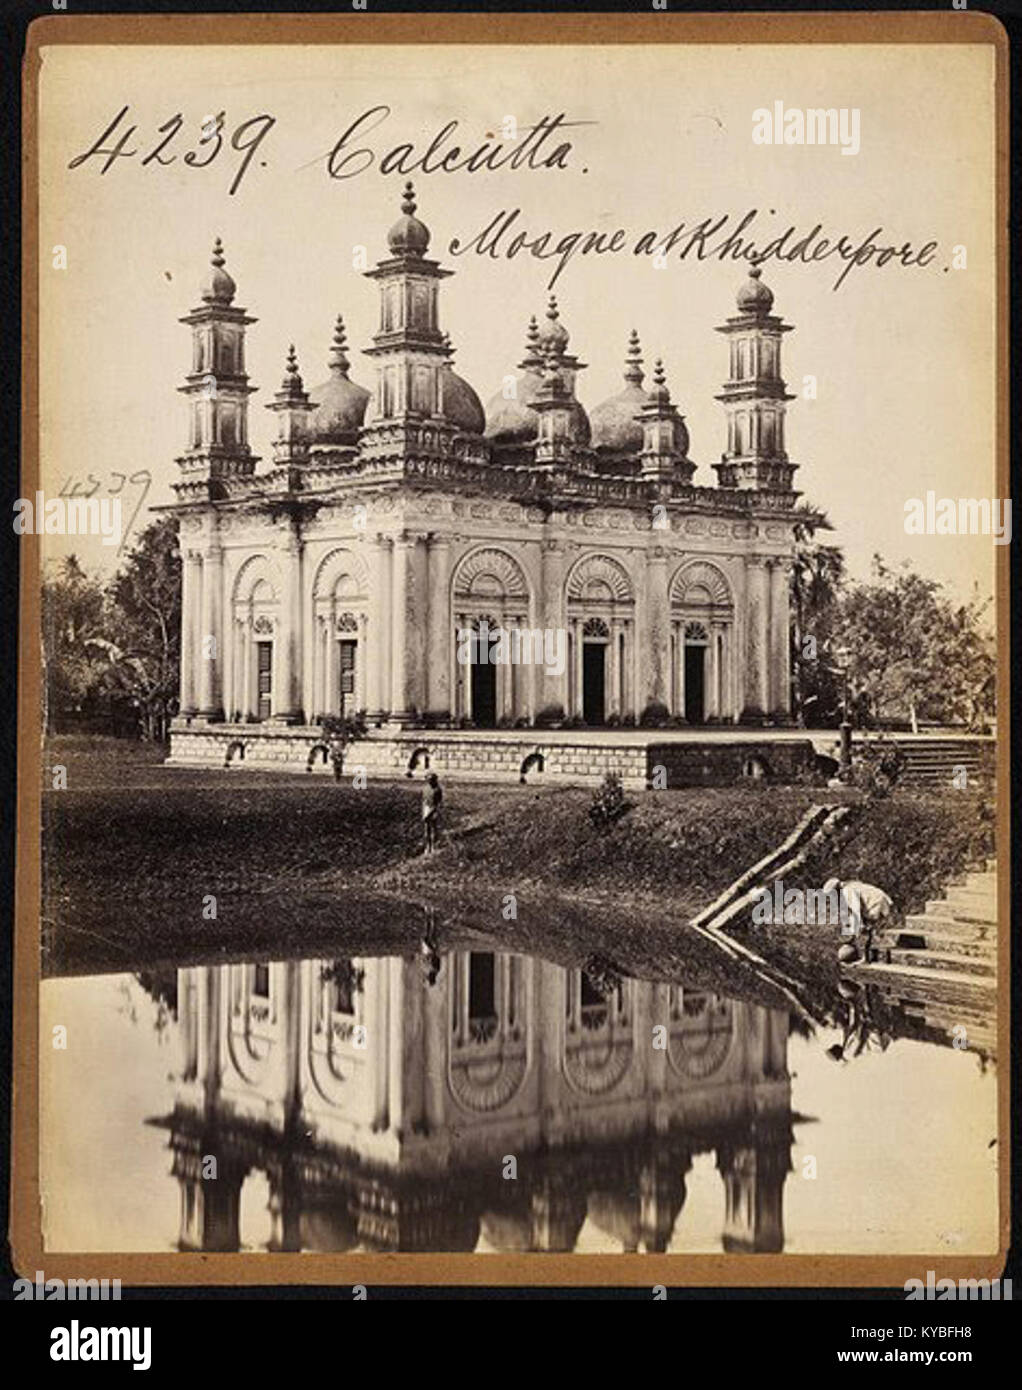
[[817, 574]]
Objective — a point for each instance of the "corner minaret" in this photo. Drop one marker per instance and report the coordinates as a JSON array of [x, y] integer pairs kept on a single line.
[[754, 395], [408, 347], [218, 390]]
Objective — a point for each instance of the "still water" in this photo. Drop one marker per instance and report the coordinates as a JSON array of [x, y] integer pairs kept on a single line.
[[489, 1101]]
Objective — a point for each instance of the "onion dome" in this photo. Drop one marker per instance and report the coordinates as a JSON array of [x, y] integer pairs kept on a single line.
[[292, 385], [461, 405], [658, 392], [554, 337], [408, 236], [341, 402], [615, 428], [219, 287], [512, 420], [754, 297]]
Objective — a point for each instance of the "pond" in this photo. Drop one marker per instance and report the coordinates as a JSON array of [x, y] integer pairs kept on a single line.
[[478, 1099]]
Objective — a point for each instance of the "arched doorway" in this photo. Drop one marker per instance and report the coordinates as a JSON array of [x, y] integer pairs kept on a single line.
[[340, 636], [600, 640], [491, 607], [702, 643]]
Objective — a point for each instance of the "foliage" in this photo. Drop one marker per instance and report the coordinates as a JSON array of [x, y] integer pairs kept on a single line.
[[912, 651], [144, 627], [608, 804], [655, 716], [877, 766], [550, 716], [817, 576], [73, 616], [341, 730]]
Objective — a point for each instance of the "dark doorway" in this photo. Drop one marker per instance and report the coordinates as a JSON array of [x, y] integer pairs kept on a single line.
[[594, 665], [695, 667], [484, 687], [347, 665]]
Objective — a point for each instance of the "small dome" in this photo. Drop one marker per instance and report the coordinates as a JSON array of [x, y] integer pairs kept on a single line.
[[340, 403], [408, 236], [615, 428], [461, 404], [219, 287], [511, 420], [754, 297]]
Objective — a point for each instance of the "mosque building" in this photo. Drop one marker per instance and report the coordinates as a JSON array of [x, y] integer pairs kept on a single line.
[[390, 520]]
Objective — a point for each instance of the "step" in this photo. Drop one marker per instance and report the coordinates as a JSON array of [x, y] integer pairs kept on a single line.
[[908, 940], [919, 925], [943, 986], [986, 913], [940, 960]]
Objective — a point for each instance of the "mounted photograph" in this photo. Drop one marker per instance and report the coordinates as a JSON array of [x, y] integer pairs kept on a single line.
[[514, 547]]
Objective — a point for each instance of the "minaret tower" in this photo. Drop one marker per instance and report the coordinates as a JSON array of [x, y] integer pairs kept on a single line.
[[754, 395], [410, 351], [218, 390]]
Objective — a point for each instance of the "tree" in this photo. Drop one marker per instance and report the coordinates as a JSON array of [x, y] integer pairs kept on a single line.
[[73, 615], [911, 650], [143, 642], [817, 574]]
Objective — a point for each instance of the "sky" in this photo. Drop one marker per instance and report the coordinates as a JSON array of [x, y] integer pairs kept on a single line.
[[902, 356]]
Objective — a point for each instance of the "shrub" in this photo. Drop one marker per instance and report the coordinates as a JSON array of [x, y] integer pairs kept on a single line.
[[608, 803], [877, 766], [655, 716], [550, 716]]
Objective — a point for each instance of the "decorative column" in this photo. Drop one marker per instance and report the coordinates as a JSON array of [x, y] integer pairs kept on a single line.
[[578, 683], [400, 713], [438, 663], [614, 664], [289, 659], [378, 652], [552, 689], [191, 598], [780, 654], [211, 703], [757, 626], [657, 629]]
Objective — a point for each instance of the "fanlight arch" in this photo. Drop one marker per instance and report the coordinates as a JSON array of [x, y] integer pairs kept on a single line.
[[258, 580], [599, 579], [341, 574], [700, 584], [490, 573]]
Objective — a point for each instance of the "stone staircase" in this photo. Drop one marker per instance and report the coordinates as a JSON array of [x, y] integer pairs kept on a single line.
[[945, 956], [932, 762]]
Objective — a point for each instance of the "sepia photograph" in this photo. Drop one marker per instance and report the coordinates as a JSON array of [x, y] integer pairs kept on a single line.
[[514, 536]]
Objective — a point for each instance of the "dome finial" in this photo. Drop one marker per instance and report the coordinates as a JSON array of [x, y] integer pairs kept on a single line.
[[633, 360], [553, 338], [292, 384], [408, 199], [217, 258], [659, 391], [338, 356]]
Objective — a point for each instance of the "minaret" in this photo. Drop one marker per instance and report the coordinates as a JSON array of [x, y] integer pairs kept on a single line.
[[292, 407], [563, 433], [754, 395], [218, 390], [664, 456], [410, 352]]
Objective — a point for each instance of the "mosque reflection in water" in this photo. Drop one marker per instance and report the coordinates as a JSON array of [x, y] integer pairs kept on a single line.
[[382, 1107]]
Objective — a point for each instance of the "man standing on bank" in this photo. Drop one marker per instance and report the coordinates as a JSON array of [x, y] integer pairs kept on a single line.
[[432, 799]]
